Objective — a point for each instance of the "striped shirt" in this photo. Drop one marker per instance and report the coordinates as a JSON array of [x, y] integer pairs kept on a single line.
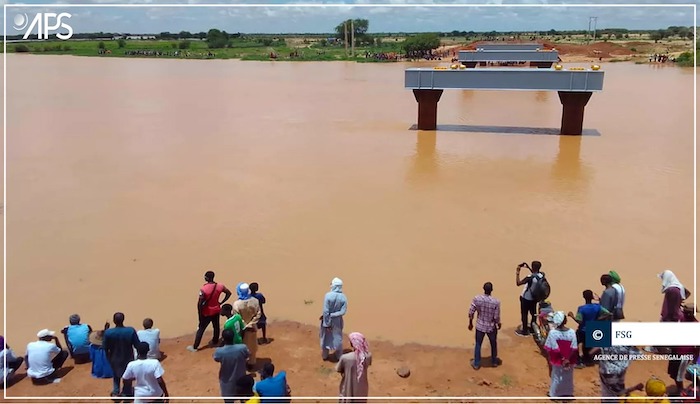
[[489, 312]]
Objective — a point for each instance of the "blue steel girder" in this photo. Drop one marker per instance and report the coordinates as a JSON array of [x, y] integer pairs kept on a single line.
[[512, 79], [509, 56]]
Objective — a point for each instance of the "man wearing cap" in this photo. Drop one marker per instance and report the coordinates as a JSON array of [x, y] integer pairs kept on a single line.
[[77, 339], [209, 308], [41, 368]]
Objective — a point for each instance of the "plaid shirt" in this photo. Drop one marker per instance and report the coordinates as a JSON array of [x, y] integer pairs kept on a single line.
[[489, 312]]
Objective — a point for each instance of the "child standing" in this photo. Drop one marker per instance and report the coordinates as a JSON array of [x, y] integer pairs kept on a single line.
[[262, 323]]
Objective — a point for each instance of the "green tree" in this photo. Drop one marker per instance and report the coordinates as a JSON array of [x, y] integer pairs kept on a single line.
[[360, 25], [184, 45], [101, 45], [216, 39], [21, 48], [656, 36], [121, 43], [421, 42], [184, 35]]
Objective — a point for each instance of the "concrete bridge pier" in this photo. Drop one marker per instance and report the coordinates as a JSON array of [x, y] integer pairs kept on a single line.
[[573, 104], [427, 108]]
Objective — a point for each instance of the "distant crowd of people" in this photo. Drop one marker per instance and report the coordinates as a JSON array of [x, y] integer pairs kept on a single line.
[[659, 58], [565, 347]]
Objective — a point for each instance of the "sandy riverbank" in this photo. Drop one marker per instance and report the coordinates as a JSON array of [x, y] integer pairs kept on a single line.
[[435, 371]]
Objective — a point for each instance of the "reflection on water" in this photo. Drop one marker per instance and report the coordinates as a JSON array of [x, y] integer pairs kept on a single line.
[[426, 159], [291, 174], [570, 174]]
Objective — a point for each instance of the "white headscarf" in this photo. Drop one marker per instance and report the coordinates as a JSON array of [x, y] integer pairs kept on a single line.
[[669, 280], [558, 318], [337, 285]]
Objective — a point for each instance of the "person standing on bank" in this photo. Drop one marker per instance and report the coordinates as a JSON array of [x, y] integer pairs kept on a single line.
[[528, 302], [119, 343], [488, 322], [208, 308], [619, 313], [335, 305], [249, 309]]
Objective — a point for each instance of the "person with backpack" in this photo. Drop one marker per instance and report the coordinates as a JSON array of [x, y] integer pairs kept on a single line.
[[536, 290]]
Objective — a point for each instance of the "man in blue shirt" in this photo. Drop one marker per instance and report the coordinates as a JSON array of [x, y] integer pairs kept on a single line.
[[272, 386], [77, 336], [588, 312]]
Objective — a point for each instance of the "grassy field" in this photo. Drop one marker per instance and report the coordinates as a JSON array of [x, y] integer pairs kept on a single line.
[[310, 48], [239, 49]]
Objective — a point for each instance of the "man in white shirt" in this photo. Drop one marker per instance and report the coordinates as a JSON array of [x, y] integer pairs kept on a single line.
[[41, 367], [148, 374], [152, 336]]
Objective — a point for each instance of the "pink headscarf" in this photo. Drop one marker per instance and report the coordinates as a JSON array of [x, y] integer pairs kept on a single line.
[[359, 344]]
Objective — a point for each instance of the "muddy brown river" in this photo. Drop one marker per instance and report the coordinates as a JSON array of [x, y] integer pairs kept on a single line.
[[127, 179]]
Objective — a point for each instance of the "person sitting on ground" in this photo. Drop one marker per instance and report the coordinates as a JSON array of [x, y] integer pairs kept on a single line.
[[41, 367], [262, 323], [148, 374], [100, 365], [234, 323], [152, 337], [588, 312], [272, 385], [244, 385], [77, 339], [13, 362]]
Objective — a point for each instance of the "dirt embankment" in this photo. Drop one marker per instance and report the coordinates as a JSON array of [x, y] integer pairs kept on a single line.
[[435, 371], [605, 50]]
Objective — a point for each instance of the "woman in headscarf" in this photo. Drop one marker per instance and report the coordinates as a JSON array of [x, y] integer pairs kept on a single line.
[[674, 294], [335, 304], [561, 345], [249, 309], [353, 368]]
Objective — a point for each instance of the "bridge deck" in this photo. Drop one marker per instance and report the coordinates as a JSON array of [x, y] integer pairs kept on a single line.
[[514, 79], [508, 56]]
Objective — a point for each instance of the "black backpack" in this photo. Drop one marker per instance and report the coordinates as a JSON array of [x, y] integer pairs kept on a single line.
[[540, 290]]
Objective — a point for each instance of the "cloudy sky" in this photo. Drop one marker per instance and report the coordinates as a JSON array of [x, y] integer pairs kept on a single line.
[[284, 16]]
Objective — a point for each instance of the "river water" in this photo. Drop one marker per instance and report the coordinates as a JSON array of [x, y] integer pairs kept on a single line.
[[127, 179]]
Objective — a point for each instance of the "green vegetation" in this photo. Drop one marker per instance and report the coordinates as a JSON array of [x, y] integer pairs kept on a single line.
[[375, 47], [685, 59]]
